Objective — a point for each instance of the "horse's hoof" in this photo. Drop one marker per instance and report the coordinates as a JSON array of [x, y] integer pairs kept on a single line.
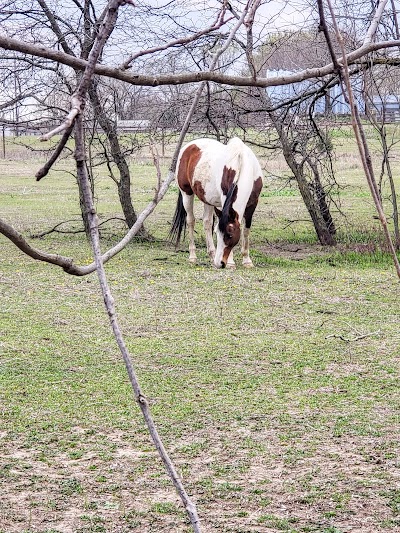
[[231, 266], [248, 265], [193, 261]]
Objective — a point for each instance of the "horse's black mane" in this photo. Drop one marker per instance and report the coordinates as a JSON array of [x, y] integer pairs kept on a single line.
[[226, 215]]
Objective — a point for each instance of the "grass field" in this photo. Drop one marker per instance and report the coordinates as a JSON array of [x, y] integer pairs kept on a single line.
[[275, 389]]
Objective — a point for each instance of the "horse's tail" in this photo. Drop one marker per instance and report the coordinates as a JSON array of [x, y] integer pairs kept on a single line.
[[179, 222]]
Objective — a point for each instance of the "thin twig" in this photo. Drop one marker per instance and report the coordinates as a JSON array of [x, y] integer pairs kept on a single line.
[[156, 162], [354, 339], [72, 232]]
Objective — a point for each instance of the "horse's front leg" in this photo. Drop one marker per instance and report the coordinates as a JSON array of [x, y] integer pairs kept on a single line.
[[247, 262], [230, 262], [208, 219]]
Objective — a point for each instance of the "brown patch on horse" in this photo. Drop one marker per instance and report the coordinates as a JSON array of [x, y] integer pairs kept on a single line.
[[231, 238], [253, 201], [228, 175], [199, 191], [187, 165]]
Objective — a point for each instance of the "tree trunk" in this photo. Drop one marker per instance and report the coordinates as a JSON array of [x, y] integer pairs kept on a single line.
[[317, 207], [124, 183], [82, 205], [321, 199], [125, 198], [315, 203]]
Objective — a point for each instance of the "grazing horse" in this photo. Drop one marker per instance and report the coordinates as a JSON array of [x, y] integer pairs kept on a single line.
[[228, 180]]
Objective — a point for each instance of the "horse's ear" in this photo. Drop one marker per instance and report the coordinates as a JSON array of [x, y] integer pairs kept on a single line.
[[218, 212]]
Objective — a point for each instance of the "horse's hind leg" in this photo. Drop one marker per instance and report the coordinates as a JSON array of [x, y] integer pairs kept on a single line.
[[188, 201], [247, 262], [208, 219]]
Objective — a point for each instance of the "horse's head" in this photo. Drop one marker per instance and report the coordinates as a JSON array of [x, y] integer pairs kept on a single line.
[[228, 229]]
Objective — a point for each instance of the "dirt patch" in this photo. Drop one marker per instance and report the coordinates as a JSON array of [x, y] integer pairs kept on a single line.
[[341, 485], [299, 252]]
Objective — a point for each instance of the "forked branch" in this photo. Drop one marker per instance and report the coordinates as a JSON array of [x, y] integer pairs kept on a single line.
[[78, 98]]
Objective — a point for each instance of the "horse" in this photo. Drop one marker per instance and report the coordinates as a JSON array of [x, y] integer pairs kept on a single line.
[[228, 180]]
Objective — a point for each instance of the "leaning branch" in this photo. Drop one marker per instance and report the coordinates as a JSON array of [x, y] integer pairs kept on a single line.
[[110, 307], [66, 126], [82, 175], [375, 22]]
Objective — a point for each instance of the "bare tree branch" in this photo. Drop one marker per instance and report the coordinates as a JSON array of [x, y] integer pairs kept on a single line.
[[396, 23], [15, 100], [55, 27], [109, 304], [68, 124], [77, 99], [375, 21], [220, 21], [66, 263], [61, 145], [190, 77]]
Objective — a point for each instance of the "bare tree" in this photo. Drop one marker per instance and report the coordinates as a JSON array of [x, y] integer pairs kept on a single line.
[[343, 70]]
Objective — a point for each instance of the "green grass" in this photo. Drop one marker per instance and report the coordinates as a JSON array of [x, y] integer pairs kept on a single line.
[[275, 389]]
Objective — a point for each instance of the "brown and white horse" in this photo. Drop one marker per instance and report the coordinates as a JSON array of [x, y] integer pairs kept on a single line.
[[228, 180]]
